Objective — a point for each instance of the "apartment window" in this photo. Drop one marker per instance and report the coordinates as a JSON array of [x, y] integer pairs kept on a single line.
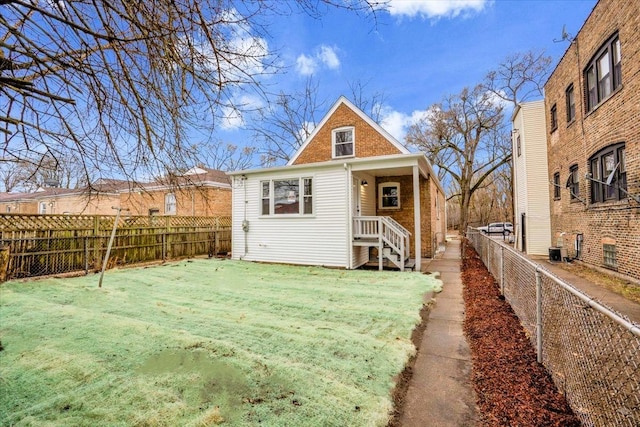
[[170, 204], [389, 195], [571, 104], [610, 259], [43, 208], [573, 183], [556, 186], [603, 74], [609, 174], [283, 196], [343, 142], [554, 117]]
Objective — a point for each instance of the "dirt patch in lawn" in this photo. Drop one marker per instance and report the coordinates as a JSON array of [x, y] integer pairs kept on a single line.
[[512, 388]]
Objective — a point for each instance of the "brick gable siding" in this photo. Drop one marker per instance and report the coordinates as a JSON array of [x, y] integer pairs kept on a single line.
[[614, 120], [368, 141]]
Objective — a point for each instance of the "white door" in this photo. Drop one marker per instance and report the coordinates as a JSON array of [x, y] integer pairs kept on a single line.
[[355, 192]]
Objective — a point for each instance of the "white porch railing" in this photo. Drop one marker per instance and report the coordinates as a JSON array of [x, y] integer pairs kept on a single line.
[[384, 231]]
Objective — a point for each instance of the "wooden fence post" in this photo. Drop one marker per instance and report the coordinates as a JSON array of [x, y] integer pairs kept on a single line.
[[4, 262]]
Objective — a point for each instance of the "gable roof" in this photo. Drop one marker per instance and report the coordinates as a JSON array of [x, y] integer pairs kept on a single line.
[[344, 101]]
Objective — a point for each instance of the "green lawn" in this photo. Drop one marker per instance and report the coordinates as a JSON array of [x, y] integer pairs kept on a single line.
[[207, 342]]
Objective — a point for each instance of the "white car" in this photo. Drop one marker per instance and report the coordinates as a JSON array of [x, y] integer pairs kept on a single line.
[[504, 228]]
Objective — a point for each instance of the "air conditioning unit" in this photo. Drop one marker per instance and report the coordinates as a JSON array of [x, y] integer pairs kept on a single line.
[[555, 254]]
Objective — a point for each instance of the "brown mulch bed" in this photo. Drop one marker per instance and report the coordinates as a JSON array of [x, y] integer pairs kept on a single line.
[[512, 388]]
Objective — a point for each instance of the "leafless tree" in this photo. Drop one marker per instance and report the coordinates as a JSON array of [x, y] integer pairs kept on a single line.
[[464, 136], [371, 104], [227, 156], [283, 126], [121, 84], [519, 77]]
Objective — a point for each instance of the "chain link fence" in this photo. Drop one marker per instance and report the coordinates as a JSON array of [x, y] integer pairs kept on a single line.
[[592, 353]]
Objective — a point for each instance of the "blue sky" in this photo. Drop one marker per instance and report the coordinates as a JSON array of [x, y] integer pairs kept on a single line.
[[416, 53]]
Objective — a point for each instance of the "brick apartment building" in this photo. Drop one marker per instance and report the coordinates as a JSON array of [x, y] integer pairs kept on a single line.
[[592, 103]]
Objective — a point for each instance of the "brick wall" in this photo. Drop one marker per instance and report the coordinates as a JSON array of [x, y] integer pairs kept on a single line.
[[368, 141], [616, 119], [209, 201]]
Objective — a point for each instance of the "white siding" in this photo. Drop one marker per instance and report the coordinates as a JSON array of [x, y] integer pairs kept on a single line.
[[318, 239], [532, 184]]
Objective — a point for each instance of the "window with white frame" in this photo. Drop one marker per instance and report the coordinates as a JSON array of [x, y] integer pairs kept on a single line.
[[389, 195], [343, 142], [287, 196], [603, 74], [43, 208], [170, 204]]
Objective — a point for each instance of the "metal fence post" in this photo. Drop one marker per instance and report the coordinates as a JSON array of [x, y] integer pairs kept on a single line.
[[539, 315], [502, 270]]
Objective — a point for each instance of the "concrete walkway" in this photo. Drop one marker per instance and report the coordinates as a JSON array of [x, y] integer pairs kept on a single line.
[[440, 391]]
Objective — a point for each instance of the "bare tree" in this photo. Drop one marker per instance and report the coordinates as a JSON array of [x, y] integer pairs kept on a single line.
[[285, 124], [122, 83], [46, 171], [519, 77], [464, 136], [373, 104], [227, 156]]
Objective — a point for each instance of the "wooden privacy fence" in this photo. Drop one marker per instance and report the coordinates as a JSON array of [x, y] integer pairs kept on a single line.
[[52, 244]]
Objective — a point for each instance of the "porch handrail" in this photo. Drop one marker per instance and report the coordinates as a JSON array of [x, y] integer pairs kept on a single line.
[[386, 229]]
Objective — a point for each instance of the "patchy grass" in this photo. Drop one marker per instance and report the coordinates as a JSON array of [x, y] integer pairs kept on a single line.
[[207, 342], [622, 287]]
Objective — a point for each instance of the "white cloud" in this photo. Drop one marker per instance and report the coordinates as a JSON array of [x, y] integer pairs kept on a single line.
[[306, 65], [434, 8], [324, 56], [231, 118], [233, 115], [397, 123], [329, 57]]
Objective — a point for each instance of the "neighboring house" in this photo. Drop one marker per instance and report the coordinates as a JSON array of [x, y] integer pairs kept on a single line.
[[197, 192], [95, 201], [592, 102], [530, 178], [351, 193]]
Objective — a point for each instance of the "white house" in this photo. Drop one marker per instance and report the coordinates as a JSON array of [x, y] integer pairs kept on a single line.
[[530, 183], [350, 195]]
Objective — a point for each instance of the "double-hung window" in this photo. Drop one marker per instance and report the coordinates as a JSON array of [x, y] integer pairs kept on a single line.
[[389, 195], [603, 74], [573, 183], [571, 104], [343, 142], [609, 174], [287, 196], [170, 204], [554, 117]]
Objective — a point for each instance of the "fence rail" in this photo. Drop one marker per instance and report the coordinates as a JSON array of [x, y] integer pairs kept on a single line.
[[592, 353], [71, 246]]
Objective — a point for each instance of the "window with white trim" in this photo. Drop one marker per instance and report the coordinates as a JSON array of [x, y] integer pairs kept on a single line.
[[284, 196], [389, 195], [343, 142], [603, 74], [170, 204], [43, 208]]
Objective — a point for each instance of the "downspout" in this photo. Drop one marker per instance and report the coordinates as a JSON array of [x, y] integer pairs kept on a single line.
[[349, 207]]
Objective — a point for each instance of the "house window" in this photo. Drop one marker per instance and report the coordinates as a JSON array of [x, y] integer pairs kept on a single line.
[[343, 145], [571, 104], [170, 204], [43, 208], [554, 117], [609, 174], [8, 208], [519, 146], [573, 183], [389, 195], [603, 74], [283, 196], [609, 252], [556, 186]]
